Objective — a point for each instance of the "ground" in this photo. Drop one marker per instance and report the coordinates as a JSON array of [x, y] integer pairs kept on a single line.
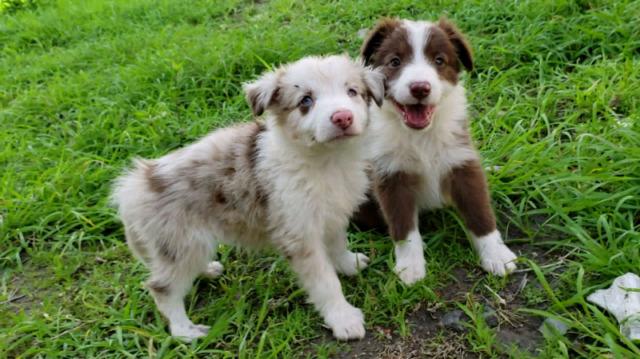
[[87, 85]]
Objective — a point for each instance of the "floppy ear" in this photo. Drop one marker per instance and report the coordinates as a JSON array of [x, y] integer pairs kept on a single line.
[[376, 36], [262, 93], [463, 50], [374, 80]]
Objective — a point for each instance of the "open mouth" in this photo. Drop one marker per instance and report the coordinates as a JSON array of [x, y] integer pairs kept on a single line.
[[416, 116]]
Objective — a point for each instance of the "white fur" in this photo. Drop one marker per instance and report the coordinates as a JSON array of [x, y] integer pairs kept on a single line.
[[345, 261], [213, 270], [313, 180], [410, 263], [495, 256]]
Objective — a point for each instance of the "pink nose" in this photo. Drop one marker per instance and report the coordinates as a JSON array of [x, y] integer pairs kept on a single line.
[[342, 119], [420, 89]]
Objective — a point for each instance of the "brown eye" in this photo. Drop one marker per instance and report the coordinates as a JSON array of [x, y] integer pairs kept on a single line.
[[352, 92], [439, 60], [395, 62], [306, 101]]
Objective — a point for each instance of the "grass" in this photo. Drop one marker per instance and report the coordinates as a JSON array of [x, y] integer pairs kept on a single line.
[[84, 86]]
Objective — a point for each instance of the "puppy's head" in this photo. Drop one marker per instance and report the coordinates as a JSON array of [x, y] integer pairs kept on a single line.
[[421, 62], [318, 99]]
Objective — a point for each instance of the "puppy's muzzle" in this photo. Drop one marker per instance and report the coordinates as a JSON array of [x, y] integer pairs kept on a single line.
[[342, 119]]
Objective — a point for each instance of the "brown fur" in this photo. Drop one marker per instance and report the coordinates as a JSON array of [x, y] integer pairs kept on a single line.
[[156, 183], [469, 193], [463, 50], [440, 45], [368, 217], [396, 194], [388, 40], [383, 29], [158, 287]]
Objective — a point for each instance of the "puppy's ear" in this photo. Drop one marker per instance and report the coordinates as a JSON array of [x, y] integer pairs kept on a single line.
[[262, 93], [374, 80], [376, 36], [463, 50]]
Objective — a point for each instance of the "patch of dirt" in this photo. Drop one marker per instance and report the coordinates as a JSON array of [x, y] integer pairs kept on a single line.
[[429, 338]]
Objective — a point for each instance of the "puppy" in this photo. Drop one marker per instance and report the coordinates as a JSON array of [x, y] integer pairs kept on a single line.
[[421, 149], [291, 184]]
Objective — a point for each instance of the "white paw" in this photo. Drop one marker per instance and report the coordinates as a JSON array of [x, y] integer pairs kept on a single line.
[[499, 260], [189, 332], [351, 263], [213, 270], [495, 256], [410, 259], [346, 322], [410, 270]]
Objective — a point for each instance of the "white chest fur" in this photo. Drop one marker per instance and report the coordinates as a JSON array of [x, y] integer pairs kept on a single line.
[[319, 187], [430, 153]]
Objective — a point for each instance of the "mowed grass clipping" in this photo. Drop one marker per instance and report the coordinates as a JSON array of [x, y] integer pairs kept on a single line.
[[87, 85]]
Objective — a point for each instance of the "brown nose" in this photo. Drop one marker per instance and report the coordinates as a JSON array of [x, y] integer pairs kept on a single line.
[[342, 119], [420, 89]]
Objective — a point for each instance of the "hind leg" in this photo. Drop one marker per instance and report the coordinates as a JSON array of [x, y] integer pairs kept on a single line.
[[169, 284]]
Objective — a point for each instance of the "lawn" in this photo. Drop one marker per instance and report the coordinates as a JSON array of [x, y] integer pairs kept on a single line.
[[87, 85]]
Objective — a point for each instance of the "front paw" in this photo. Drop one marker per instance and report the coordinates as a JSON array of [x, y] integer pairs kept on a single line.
[[498, 260], [346, 322], [351, 263], [495, 256], [410, 269]]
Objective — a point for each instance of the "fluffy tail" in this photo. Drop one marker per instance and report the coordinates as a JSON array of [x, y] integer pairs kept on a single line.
[[128, 196]]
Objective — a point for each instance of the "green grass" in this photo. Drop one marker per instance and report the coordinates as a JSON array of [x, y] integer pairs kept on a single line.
[[86, 85]]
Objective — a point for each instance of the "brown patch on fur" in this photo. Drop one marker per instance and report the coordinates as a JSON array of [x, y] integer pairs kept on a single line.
[[439, 45], [156, 182], [252, 149], [300, 253], [158, 287], [387, 41], [368, 217], [469, 192], [304, 109], [459, 42], [396, 193], [376, 37], [219, 197], [166, 252]]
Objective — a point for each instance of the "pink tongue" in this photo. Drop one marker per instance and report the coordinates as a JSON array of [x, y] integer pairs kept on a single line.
[[416, 116]]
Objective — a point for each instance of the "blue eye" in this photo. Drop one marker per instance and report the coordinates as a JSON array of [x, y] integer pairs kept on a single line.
[[306, 101]]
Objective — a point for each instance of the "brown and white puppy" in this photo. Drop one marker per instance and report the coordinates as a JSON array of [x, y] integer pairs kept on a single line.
[[291, 184], [420, 145]]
